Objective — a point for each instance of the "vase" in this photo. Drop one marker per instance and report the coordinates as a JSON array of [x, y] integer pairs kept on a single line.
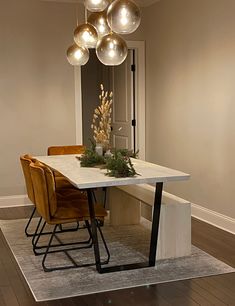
[[108, 153], [99, 149]]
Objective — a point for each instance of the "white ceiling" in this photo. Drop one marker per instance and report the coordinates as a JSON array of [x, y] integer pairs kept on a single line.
[[140, 2]]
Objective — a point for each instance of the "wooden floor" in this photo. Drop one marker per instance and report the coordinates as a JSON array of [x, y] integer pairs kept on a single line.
[[216, 290]]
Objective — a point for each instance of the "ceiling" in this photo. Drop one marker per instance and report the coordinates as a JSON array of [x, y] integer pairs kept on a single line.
[[140, 2]]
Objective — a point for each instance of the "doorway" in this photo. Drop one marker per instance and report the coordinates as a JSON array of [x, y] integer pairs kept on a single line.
[[121, 81], [127, 81], [124, 104]]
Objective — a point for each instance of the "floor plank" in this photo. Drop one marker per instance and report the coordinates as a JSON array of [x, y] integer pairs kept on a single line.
[[8, 296], [216, 292], [208, 298]]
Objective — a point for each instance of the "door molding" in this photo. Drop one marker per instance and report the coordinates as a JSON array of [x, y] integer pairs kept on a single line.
[[78, 104], [139, 47]]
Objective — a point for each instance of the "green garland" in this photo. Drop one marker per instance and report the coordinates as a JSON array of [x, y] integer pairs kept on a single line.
[[118, 164], [91, 159], [126, 153]]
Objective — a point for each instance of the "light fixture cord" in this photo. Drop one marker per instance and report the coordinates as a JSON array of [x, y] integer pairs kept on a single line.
[[111, 22], [77, 14], [85, 13]]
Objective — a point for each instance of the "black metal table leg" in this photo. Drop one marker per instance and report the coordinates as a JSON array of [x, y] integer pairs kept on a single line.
[[94, 230], [153, 241], [155, 224]]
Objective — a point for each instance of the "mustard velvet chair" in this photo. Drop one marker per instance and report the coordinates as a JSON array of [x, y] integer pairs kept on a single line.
[[61, 181], [62, 150], [61, 188], [72, 149], [25, 161], [57, 211]]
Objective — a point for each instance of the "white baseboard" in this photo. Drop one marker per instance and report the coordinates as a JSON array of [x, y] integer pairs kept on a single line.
[[216, 219], [14, 201]]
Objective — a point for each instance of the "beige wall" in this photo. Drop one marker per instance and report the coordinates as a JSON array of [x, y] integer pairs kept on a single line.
[[190, 58], [37, 107], [190, 63], [36, 83]]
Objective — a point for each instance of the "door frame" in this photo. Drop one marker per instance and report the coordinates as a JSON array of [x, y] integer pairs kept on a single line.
[[139, 47]]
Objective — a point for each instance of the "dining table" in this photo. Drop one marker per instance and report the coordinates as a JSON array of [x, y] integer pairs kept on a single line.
[[91, 178]]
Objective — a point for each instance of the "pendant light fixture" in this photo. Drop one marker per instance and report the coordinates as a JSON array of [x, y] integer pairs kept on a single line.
[[123, 16], [86, 35], [77, 56], [99, 21], [96, 5], [101, 30], [112, 50]]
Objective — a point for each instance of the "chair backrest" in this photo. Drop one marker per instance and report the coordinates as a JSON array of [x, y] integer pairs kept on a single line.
[[25, 161], [44, 190], [61, 150]]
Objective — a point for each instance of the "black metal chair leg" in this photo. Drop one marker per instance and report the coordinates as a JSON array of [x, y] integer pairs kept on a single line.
[[47, 249], [35, 247], [28, 223], [46, 233], [87, 242], [65, 250], [74, 264], [59, 231], [36, 231]]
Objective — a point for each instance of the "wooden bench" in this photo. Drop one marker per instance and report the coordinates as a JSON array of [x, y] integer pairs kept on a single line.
[[128, 204]]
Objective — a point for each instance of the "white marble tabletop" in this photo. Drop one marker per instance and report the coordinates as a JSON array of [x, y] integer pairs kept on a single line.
[[83, 178]]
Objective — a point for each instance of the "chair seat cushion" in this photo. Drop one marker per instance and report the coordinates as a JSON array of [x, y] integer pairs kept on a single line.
[[72, 194], [62, 182], [68, 211], [100, 211]]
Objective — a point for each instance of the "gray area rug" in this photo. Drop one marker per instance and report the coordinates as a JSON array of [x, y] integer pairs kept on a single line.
[[127, 244]]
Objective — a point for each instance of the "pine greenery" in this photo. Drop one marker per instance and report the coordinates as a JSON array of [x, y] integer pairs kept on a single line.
[[118, 164], [91, 159], [125, 152]]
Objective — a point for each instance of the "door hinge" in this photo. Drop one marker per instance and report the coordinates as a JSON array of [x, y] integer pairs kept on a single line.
[[133, 122], [133, 67]]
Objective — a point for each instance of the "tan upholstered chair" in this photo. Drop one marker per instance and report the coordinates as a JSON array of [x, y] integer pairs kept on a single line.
[[25, 161], [62, 189], [61, 181], [56, 210], [62, 150]]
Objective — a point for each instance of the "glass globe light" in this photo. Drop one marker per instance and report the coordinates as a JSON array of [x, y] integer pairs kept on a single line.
[[99, 21], [123, 16], [111, 50], [96, 5], [86, 35], [77, 56]]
